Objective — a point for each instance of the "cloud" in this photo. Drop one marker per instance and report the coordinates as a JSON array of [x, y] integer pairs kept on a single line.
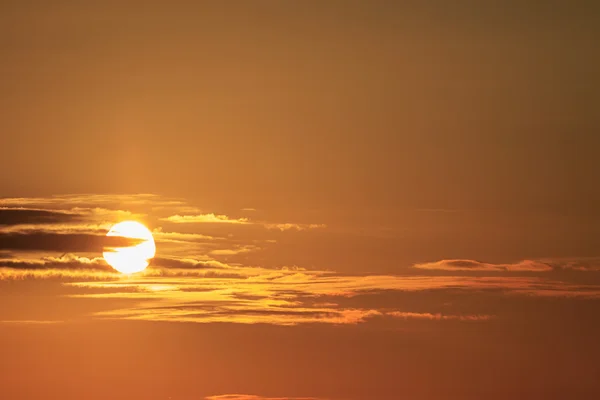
[[13, 216], [29, 322], [93, 200], [61, 274], [234, 251], [438, 316], [86, 228], [205, 218], [216, 218], [296, 227], [176, 237], [187, 263], [253, 295], [581, 264], [31, 216], [472, 265], [65, 261], [63, 239], [208, 291], [62, 243]]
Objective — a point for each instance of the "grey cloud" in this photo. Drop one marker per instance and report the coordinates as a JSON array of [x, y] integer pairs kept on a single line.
[[62, 243], [29, 216]]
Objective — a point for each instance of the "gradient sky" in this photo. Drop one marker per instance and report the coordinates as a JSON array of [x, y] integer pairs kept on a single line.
[[351, 200]]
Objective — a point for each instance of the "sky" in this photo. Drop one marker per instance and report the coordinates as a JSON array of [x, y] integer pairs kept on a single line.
[[351, 200]]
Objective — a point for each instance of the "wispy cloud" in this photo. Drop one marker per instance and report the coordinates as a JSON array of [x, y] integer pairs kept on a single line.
[[296, 227], [61, 238], [176, 237], [252, 295], [29, 322], [236, 250], [62, 243], [438, 316], [205, 218], [93, 200], [472, 265], [224, 219]]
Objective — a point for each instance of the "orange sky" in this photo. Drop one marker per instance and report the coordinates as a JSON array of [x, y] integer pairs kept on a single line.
[[351, 200]]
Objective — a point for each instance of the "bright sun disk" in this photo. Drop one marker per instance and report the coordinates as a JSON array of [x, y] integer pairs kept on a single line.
[[131, 259]]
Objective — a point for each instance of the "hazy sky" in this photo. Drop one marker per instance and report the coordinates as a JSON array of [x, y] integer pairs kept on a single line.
[[352, 200]]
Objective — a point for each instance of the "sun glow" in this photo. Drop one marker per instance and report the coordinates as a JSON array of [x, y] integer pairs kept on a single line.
[[129, 260]]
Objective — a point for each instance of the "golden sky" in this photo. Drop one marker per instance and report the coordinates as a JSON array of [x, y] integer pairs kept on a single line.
[[351, 200]]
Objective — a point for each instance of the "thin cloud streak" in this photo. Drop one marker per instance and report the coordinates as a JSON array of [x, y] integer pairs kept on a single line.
[[439, 316], [296, 227], [472, 265], [590, 264], [29, 322], [224, 219], [205, 218]]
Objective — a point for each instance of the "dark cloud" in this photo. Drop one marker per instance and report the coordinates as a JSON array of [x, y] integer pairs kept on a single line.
[[66, 261], [21, 216], [62, 243]]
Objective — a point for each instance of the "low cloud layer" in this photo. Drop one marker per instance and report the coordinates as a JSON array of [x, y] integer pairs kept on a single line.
[[204, 278]]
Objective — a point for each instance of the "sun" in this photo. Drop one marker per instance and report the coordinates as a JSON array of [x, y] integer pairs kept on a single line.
[[132, 259]]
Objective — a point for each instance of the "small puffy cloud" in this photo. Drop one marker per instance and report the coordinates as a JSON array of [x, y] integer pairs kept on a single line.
[[472, 265]]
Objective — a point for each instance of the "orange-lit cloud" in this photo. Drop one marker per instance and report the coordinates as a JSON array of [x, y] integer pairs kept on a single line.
[[297, 227], [471, 265], [176, 237], [224, 219], [205, 218], [233, 251], [186, 283], [252, 295], [29, 322]]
